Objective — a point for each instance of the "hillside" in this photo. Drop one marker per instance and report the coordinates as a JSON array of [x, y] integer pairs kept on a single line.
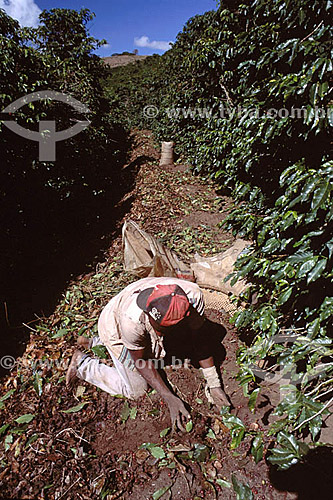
[[122, 60]]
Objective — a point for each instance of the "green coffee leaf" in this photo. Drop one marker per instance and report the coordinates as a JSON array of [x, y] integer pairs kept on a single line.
[[4, 428], [8, 441], [242, 489], [76, 408], [7, 395], [159, 493], [253, 399], [313, 328], [271, 246], [223, 483], [189, 426], [60, 333], [306, 267], [164, 432], [25, 419], [309, 187], [231, 421], [288, 452], [125, 413], [31, 440], [315, 426], [211, 434], [284, 296], [201, 452], [38, 384], [100, 351], [317, 271], [157, 452], [319, 195], [133, 413], [237, 429], [237, 437], [257, 448]]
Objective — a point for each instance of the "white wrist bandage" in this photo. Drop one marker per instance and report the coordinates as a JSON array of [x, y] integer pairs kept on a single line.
[[211, 377]]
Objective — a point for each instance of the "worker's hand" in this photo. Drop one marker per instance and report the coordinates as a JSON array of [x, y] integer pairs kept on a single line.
[[179, 414], [219, 396]]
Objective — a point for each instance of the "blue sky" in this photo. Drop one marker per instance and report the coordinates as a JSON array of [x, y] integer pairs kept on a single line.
[[147, 25]]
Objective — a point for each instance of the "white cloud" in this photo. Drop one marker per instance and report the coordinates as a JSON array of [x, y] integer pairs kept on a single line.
[[105, 46], [26, 12], [144, 41]]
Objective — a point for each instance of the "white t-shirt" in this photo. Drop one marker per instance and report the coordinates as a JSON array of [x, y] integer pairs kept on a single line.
[[123, 324]]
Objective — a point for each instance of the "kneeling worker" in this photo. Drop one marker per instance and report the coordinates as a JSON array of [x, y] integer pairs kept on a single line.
[[133, 327]]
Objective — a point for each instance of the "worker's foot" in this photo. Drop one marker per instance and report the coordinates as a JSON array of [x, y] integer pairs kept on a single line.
[[72, 369], [84, 342]]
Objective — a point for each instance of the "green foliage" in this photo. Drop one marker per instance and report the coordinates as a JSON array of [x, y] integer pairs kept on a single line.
[[100, 351], [237, 429], [201, 452], [189, 426], [127, 88], [164, 432], [257, 448], [154, 449], [124, 53], [289, 451], [41, 203], [76, 408], [159, 493], [125, 413], [242, 490], [7, 395], [25, 419]]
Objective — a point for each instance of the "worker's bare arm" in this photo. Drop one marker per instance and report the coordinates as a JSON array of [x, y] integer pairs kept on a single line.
[[148, 371], [207, 363]]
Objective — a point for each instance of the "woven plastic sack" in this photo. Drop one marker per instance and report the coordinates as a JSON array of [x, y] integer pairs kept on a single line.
[[210, 272], [145, 256], [167, 153]]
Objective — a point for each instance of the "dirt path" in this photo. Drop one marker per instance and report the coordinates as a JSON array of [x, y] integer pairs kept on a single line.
[[85, 444]]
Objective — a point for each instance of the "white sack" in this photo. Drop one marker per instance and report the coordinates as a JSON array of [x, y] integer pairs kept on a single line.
[[210, 272], [145, 256]]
